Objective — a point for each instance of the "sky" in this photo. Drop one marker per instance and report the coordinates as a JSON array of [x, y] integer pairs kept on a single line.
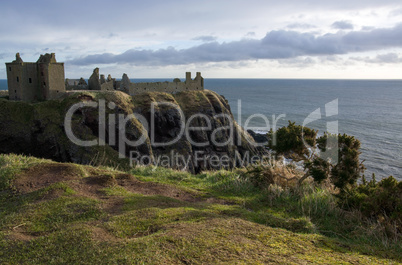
[[340, 39]]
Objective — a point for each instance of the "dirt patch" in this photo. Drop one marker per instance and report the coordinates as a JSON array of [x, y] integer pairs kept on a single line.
[[112, 205], [20, 236], [102, 180], [85, 98], [43, 175], [102, 235], [150, 188], [52, 194]]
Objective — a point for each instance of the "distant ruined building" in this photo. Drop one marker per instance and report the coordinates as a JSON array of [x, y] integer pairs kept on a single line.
[[99, 82], [38, 81], [44, 80]]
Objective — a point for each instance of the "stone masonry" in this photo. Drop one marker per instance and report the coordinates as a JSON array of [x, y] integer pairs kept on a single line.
[[38, 81], [45, 80]]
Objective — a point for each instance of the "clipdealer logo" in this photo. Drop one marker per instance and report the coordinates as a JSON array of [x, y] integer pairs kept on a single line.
[[109, 123]]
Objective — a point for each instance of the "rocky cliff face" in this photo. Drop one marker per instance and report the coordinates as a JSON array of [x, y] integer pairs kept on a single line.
[[192, 130]]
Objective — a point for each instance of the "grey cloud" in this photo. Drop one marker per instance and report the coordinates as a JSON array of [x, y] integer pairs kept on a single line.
[[205, 38], [342, 25], [297, 62], [278, 44], [388, 58], [367, 28], [300, 26], [396, 12]]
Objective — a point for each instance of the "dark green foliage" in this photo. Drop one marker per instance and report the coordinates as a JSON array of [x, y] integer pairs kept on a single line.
[[292, 138], [381, 201], [338, 158], [319, 169], [342, 157]]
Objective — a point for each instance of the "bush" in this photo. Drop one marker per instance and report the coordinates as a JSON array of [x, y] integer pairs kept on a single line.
[[292, 139], [263, 176], [379, 201], [340, 162]]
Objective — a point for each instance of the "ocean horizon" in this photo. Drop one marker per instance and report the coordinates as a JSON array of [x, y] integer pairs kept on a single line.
[[370, 110]]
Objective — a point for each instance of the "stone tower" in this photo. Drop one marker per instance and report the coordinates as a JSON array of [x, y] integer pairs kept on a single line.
[[42, 80]]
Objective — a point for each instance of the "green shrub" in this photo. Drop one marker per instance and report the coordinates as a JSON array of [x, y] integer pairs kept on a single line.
[[338, 160], [292, 139], [379, 201]]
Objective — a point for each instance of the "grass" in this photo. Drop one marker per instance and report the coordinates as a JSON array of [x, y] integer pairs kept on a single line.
[[104, 216]]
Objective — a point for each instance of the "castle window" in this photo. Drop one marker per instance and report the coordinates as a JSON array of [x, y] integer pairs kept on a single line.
[[30, 80], [9, 68], [57, 91], [15, 91], [44, 83], [18, 79]]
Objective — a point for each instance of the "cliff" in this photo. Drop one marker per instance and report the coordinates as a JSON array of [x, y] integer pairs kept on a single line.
[[39, 130]]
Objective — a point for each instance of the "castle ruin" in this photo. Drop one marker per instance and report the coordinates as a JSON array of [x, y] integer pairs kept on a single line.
[[45, 80], [38, 81], [99, 82]]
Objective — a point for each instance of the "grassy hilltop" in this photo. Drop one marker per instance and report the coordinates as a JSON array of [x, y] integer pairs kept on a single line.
[[64, 213]]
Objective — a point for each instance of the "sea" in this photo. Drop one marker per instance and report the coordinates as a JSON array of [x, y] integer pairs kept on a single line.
[[370, 110]]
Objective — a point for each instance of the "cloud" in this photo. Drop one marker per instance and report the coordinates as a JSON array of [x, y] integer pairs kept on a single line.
[[250, 34], [277, 44], [205, 38], [364, 28], [342, 25], [388, 58], [301, 62], [300, 26], [396, 12]]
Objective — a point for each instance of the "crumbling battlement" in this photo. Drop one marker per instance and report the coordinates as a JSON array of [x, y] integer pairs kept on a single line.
[[45, 80], [99, 82], [169, 87]]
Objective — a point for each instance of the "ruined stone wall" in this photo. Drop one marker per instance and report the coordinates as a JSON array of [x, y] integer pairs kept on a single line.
[[14, 74], [94, 81], [22, 81], [107, 86], [169, 87], [56, 86], [76, 84], [77, 87]]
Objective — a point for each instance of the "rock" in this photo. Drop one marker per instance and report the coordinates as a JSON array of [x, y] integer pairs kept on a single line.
[[258, 137]]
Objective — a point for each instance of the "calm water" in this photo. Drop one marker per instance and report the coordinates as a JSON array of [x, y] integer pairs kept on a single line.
[[369, 110]]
